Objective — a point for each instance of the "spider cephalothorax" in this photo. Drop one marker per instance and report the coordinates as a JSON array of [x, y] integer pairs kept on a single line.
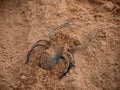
[[60, 46]]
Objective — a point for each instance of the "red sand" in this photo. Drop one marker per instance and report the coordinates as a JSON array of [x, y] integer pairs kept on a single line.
[[23, 22]]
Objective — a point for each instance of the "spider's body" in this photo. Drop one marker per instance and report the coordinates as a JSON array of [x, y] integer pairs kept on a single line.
[[60, 46], [49, 61]]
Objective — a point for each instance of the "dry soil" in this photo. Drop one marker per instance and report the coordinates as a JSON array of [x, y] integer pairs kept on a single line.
[[23, 22]]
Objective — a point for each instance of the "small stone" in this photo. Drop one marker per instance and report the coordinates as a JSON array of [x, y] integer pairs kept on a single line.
[[94, 50], [23, 77]]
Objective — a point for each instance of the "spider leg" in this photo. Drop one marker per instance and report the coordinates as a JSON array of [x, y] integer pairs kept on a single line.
[[57, 28], [71, 57], [89, 36], [68, 64], [36, 45]]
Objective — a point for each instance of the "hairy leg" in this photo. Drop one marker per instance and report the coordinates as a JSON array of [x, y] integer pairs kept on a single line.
[[89, 36], [58, 28], [68, 60], [38, 43]]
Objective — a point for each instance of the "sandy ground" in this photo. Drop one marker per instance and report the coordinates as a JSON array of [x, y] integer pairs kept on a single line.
[[23, 22]]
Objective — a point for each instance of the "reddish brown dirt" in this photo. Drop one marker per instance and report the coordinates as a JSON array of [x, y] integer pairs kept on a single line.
[[23, 22]]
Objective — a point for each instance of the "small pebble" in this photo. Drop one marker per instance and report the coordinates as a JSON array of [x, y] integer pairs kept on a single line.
[[23, 77]]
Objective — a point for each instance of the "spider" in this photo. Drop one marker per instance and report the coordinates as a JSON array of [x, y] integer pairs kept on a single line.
[[60, 46]]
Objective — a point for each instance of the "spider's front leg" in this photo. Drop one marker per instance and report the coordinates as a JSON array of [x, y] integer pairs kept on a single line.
[[58, 28], [68, 60], [41, 43]]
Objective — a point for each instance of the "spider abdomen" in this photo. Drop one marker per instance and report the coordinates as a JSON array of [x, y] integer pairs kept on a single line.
[[49, 62], [56, 57]]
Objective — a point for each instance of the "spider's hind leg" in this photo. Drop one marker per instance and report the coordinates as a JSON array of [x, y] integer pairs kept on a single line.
[[68, 59], [40, 43]]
